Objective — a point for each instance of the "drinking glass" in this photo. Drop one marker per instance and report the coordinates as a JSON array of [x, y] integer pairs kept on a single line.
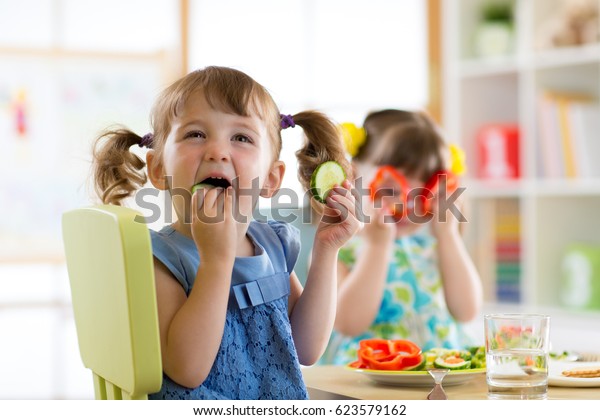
[[516, 349]]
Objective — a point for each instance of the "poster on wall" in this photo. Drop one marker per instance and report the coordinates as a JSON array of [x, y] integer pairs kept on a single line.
[[51, 111]]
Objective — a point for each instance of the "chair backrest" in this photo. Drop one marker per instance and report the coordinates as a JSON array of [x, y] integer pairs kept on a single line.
[[110, 267]]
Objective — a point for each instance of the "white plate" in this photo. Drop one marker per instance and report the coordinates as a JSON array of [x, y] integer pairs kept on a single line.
[[417, 378], [555, 377]]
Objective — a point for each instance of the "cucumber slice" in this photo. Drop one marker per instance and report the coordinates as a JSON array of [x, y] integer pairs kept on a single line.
[[324, 178], [452, 363], [200, 185]]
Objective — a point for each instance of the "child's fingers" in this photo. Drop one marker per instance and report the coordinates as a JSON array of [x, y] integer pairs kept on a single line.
[[198, 198], [228, 202], [211, 202], [220, 202], [333, 208], [347, 184], [354, 192], [346, 199]]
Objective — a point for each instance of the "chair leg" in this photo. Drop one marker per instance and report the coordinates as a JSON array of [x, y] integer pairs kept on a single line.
[[113, 392], [127, 396], [104, 390], [99, 387]]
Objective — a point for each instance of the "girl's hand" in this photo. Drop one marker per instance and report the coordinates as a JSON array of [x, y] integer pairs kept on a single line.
[[341, 219], [379, 228], [214, 228], [446, 214]]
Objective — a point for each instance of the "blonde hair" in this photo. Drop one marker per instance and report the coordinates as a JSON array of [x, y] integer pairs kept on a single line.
[[118, 172]]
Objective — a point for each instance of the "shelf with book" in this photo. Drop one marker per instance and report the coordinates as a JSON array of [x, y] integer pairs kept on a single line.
[[497, 188], [550, 95], [567, 188], [566, 56], [475, 67], [568, 123]]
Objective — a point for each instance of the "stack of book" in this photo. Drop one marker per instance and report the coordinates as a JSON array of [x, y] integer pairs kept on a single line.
[[508, 257], [568, 135]]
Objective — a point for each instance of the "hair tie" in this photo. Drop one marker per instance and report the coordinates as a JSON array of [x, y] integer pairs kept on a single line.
[[457, 159], [286, 121], [354, 137], [146, 141]]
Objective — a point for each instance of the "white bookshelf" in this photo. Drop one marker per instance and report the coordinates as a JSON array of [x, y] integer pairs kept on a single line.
[[553, 212]]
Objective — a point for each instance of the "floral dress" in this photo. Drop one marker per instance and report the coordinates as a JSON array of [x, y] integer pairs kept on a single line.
[[413, 305]]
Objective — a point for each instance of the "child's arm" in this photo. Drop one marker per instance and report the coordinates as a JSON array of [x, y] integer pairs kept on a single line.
[[462, 285], [313, 309], [361, 289], [191, 328]]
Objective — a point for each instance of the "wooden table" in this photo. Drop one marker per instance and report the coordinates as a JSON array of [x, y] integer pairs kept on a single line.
[[337, 382]]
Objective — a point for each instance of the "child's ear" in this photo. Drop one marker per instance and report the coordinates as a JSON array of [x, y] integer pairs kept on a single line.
[[274, 178], [156, 171]]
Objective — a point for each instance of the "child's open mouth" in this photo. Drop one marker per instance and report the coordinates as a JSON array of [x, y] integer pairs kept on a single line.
[[212, 182]]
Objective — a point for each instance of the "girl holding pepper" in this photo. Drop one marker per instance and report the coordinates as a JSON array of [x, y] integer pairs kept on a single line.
[[408, 274]]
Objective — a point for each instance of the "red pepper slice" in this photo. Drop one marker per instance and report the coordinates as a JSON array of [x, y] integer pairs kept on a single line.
[[375, 186], [383, 354], [433, 184], [430, 190]]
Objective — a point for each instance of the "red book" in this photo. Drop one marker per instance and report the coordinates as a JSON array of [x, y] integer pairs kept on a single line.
[[498, 148]]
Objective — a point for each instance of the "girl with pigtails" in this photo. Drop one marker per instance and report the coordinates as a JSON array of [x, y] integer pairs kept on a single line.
[[407, 275], [235, 322]]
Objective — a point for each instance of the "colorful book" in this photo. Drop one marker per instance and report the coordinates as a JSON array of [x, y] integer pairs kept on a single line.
[[585, 123], [549, 137], [566, 136]]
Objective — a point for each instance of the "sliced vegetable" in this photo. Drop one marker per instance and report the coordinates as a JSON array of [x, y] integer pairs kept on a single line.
[[201, 185], [420, 366], [324, 178], [452, 362], [382, 354], [433, 185], [376, 189], [478, 359]]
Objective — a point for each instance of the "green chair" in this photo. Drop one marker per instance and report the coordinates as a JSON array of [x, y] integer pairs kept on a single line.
[[110, 267]]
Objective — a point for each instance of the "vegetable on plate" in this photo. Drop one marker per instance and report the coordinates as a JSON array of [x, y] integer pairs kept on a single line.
[[380, 354]]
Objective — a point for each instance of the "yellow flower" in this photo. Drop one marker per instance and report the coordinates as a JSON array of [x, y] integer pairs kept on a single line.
[[457, 159], [354, 137]]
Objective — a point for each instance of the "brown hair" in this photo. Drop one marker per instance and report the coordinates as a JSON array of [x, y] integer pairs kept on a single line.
[[417, 147], [375, 124], [118, 172]]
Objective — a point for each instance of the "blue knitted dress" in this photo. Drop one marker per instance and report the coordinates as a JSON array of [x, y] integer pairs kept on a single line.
[[257, 358]]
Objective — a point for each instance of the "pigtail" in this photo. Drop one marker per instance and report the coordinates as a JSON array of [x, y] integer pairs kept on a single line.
[[117, 171], [323, 142]]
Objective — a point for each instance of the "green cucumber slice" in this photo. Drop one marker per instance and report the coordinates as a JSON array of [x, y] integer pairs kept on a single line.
[[200, 185], [324, 178], [449, 363]]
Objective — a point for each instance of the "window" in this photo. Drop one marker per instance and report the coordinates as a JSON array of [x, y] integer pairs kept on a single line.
[[69, 68], [343, 57]]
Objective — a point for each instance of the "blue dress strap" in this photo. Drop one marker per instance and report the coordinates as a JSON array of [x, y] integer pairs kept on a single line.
[[273, 243]]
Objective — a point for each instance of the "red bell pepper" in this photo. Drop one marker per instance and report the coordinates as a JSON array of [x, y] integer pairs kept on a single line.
[[383, 354], [375, 186], [433, 184], [429, 191]]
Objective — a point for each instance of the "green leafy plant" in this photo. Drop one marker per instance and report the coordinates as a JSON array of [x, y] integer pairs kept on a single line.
[[497, 11]]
